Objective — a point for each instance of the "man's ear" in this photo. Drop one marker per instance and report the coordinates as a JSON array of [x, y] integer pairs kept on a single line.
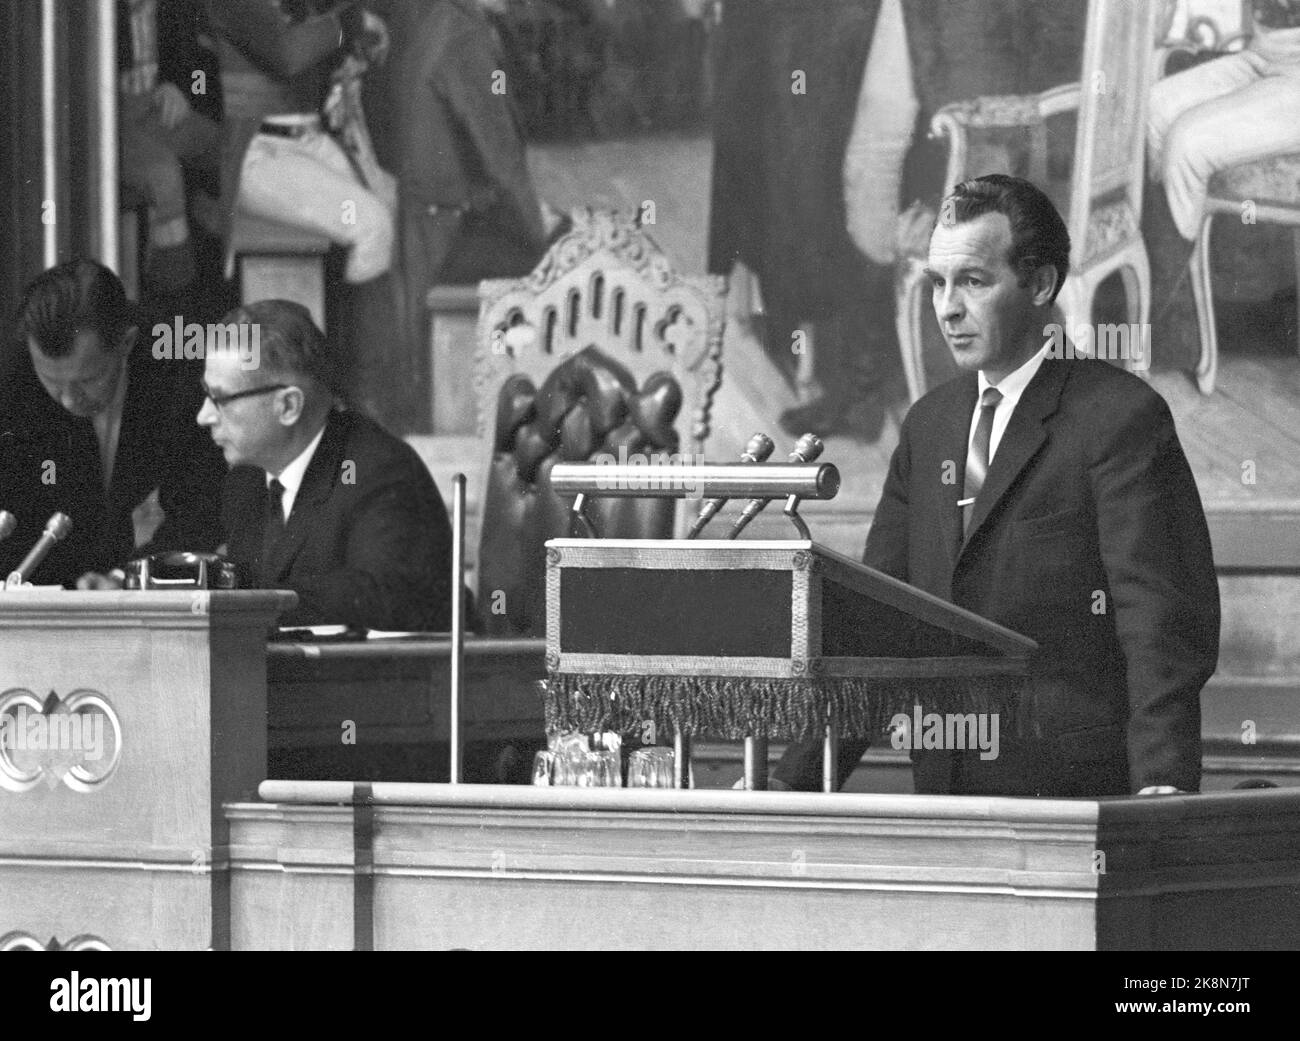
[[1043, 283], [291, 405]]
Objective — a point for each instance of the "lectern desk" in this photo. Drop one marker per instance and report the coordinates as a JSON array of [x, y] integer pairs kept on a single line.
[[756, 639], [155, 705]]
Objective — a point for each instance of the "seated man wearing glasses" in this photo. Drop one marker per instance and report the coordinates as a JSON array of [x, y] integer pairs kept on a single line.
[[321, 500]]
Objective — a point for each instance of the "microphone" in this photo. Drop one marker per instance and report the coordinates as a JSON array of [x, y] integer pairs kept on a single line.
[[7, 524], [56, 529], [806, 449], [757, 449]]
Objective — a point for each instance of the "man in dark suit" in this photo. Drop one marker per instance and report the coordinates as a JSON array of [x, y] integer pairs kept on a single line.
[[94, 425], [322, 501], [1050, 495]]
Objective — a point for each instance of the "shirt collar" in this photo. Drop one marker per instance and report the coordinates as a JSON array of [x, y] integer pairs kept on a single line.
[[1014, 383], [291, 476]]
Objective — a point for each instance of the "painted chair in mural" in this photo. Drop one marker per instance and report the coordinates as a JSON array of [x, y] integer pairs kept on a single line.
[[1267, 189], [603, 350], [1097, 188]]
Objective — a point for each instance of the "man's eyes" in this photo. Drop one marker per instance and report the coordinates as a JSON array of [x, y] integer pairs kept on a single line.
[[965, 280]]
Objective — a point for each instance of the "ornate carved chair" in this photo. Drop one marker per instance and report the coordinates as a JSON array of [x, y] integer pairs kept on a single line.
[[1098, 189], [603, 349]]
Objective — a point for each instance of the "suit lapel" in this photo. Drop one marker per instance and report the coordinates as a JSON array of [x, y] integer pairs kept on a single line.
[[1022, 439], [317, 483]]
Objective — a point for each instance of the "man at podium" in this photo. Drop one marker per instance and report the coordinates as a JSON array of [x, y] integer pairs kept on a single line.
[[321, 500], [1051, 495]]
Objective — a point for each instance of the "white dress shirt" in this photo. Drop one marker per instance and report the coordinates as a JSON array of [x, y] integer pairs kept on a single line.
[[1011, 387], [291, 476]]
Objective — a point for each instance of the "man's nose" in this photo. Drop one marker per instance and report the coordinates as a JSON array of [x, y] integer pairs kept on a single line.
[[71, 401], [207, 413], [948, 303]]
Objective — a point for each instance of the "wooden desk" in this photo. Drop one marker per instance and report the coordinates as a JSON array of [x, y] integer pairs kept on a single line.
[[123, 844], [380, 709], [390, 867]]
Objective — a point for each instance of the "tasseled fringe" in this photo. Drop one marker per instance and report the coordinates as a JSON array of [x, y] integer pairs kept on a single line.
[[735, 707]]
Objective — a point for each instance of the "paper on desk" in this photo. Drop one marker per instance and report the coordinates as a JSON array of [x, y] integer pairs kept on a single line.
[[313, 630]]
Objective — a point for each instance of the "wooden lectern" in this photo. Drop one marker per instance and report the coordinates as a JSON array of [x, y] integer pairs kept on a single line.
[[126, 720], [758, 639]]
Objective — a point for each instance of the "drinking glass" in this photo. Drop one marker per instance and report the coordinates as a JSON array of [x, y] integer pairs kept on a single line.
[[571, 766], [650, 768], [606, 768], [544, 769]]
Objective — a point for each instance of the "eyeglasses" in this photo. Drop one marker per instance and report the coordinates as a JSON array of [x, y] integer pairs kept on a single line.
[[221, 400]]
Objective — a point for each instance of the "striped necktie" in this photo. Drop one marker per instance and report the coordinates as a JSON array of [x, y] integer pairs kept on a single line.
[[977, 459]]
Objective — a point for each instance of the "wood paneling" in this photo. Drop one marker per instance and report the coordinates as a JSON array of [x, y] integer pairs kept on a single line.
[[554, 869], [139, 860]]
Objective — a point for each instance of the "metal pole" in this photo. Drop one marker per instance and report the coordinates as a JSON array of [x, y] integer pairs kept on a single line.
[[755, 764], [457, 620], [681, 760], [106, 134], [830, 757], [50, 214]]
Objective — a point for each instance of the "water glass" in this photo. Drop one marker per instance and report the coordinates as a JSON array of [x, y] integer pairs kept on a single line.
[[651, 768], [604, 769], [544, 769]]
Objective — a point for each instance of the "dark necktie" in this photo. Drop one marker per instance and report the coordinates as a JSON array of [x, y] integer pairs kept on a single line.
[[274, 525], [977, 459]]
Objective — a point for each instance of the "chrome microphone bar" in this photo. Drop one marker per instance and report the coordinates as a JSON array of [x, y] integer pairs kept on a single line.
[[697, 481]]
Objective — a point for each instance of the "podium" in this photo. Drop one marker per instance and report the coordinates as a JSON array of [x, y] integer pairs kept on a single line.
[[758, 639], [126, 720]]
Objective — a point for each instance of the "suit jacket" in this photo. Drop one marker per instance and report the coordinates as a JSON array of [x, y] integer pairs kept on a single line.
[[367, 543], [49, 461], [1088, 536]]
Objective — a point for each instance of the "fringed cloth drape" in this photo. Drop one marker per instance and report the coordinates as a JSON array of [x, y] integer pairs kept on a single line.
[[735, 707]]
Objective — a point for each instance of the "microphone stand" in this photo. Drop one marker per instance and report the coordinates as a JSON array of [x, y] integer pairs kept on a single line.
[[760, 446]]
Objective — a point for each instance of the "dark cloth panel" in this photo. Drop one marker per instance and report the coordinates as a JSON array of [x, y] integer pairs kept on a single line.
[[724, 613]]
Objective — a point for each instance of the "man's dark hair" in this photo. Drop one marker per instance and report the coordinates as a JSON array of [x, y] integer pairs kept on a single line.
[[69, 299], [1038, 235], [290, 342]]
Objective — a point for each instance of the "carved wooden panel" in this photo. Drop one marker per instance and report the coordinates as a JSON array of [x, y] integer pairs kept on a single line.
[[607, 284]]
